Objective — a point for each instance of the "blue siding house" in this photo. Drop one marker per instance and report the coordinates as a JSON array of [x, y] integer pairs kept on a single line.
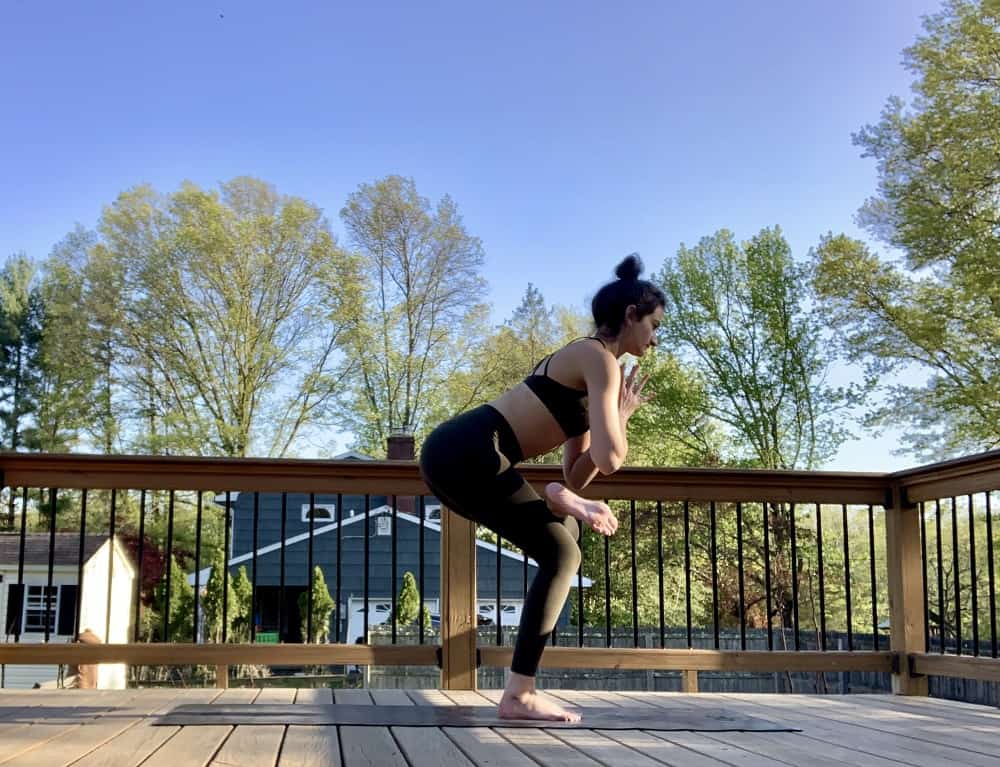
[[345, 528]]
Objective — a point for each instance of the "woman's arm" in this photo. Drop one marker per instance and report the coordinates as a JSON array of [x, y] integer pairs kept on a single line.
[[578, 467], [613, 399]]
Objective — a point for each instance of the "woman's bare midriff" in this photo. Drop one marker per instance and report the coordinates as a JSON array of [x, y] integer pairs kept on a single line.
[[536, 429]]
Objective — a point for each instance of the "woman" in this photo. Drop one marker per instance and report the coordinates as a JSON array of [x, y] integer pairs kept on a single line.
[[578, 397]]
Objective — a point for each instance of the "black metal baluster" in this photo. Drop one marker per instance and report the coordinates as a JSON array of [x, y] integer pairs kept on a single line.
[[923, 565], [847, 582], [940, 577], [138, 577], [992, 582], [309, 565], [111, 564], [635, 579], [169, 553], [420, 557], [197, 567], [281, 566], [365, 582], [659, 569], [20, 559], [871, 562], [687, 571], [607, 591], [795, 577], [739, 566], [338, 615], [972, 578], [822, 583], [497, 609], [79, 567], [579, 591], [958, 577], [52, 559], [715, 575], [767, 576], [393, 585], [225, 567], [253, 566]]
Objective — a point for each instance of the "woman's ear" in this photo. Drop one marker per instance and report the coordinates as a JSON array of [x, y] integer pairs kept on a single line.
[[632, 313]]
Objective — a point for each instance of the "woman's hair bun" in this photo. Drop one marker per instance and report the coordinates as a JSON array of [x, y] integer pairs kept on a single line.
[[630, 268]]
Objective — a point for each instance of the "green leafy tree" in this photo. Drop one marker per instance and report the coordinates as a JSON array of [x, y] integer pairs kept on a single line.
[[178, 594], [408, 601], [322, 607], [216, 317], [240, 607], [212, 601], [424, 310], [934, 317], [736, 312], [20, 351]]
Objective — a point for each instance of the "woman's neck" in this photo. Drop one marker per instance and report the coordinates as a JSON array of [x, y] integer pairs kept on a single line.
[[611, 342]]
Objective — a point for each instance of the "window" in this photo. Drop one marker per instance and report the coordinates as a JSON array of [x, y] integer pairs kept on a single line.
[[34, 609], [322, 512], [384, 526]]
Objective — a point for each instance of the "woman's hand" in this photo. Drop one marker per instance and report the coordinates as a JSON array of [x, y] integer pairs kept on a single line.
[[630, 395]]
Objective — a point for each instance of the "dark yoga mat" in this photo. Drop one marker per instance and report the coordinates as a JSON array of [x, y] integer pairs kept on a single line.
[[697, 720]]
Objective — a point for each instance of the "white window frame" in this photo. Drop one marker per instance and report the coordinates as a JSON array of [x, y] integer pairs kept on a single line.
[[40, 608], [331, 508], [383, 525]]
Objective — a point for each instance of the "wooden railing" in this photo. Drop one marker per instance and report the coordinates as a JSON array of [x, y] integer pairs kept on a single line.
[[898, 494]]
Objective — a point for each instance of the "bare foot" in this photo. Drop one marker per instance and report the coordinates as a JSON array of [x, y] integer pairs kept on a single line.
[[596, 515], [531, 705]]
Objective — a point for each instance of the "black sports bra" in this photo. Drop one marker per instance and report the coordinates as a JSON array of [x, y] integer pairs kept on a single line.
[[567, 405]]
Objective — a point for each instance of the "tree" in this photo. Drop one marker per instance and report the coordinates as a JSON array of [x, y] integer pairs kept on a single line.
[[322, 606], [736, 312], [240, 607], [424, 312], [408, 601], [177, 594], [935, 314], [212, 601], [20, 342], [217, 315]]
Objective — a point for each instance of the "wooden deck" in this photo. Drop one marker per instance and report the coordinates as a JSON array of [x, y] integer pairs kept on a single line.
[[113, 729]]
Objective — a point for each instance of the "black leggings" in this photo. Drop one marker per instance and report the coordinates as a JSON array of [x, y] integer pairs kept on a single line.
[[468, 463]]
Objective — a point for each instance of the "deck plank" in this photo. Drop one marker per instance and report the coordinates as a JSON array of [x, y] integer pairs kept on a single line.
[[925, 728], [313, 696], [862, 740], [481, 745], [131, 747], [421, 745], [367, 745], [45, 726]]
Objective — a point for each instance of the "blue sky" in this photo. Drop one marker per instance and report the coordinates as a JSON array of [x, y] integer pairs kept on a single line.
[[569, 133]]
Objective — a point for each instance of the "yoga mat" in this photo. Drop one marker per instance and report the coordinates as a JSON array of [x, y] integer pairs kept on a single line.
[[659, 719]]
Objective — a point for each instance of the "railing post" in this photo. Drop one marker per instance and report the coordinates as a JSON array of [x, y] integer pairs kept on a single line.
[[905, 581], [222, 677], [458, 602], [689, 680]]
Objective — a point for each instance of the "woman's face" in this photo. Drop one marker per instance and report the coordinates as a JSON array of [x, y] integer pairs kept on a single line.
[[640, 334]]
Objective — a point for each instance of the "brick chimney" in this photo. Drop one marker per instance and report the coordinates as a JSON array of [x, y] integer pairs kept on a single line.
[[400, 447]]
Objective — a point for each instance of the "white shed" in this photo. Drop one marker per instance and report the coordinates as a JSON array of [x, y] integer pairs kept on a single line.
[[26, 604]]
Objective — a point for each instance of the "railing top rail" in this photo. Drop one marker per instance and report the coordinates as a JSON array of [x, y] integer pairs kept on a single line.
[[971, 474], [73, 470], [403, 477]]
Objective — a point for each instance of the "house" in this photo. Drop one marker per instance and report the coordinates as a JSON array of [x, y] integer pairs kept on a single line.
[[349, 523], [24, 614]]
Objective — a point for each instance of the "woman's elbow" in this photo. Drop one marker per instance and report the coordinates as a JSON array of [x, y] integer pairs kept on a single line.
[[608, 463]]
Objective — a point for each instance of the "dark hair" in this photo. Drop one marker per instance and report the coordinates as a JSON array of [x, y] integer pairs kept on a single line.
[[611, 301]]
